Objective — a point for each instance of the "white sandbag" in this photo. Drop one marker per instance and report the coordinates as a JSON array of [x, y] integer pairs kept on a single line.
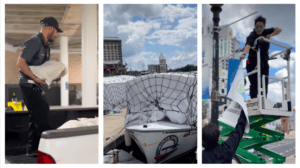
[[114, 92], [49, 71], [138, 118], [175, 117], [174, 93], [71, 124], [81, 122], [88, 121], [156, 116]]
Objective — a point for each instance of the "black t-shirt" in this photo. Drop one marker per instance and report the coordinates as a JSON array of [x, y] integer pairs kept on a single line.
[[36, 51], [264, 45]]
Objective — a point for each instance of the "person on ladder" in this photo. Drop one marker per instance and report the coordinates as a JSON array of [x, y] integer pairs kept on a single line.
[[259, 30]]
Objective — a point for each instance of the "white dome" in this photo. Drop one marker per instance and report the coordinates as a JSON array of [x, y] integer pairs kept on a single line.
[[162, 56]]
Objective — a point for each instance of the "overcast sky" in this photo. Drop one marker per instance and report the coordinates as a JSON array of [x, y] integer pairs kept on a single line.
[[278, 15], [147, 30]]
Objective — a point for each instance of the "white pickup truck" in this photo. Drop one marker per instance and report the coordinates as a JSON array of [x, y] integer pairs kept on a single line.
[[64, 145], [71, 145]]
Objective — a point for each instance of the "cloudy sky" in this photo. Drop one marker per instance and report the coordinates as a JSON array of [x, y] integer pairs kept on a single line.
[[279, 15], [147, 30]]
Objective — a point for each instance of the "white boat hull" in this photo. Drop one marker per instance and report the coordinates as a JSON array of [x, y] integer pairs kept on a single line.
[[162, 141]]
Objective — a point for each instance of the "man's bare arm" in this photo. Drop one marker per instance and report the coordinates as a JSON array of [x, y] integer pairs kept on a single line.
[[277, 31], [23, 66], [246, 50]]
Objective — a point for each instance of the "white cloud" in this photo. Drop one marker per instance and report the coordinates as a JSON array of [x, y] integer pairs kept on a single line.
[[181, 35], [121, 14], [233, 12], [277, 63], [181, 59], [275, 92], [137, 61], [173, 25], [275, 88], [136, 31], [171, 12], [281, 73]]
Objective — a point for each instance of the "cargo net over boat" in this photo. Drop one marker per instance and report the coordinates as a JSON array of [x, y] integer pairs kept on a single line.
[[114, 97], [162, 97]]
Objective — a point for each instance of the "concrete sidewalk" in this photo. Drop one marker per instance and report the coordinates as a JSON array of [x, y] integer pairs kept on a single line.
[[291, 135], [290, 160]]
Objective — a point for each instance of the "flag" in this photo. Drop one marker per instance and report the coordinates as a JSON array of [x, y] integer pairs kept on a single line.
[[231, 114]]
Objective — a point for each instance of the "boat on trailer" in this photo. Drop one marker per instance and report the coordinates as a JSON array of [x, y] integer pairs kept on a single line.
[[162, 115]]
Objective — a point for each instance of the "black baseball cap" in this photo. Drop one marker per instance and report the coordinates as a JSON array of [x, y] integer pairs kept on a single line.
[[51, 21]]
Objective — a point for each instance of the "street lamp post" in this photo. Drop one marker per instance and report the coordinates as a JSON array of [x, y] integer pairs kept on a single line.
[[216, 9]]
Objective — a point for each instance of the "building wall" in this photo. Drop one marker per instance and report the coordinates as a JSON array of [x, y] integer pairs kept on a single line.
[[153, 68], [162, 66], [12, 72], [285, 124], [112, 50], [292, 120]]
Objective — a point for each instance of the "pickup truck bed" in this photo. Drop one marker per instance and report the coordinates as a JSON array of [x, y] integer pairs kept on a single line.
[[16, 127]]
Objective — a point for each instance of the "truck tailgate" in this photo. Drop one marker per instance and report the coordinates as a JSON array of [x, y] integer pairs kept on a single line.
[[72, 145]]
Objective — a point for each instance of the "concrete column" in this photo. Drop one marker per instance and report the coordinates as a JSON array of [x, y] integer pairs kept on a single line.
[[89, 18], [64, 82]]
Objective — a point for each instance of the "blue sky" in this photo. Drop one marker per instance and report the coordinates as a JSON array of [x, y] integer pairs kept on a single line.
[[285, 21], [147, 30]]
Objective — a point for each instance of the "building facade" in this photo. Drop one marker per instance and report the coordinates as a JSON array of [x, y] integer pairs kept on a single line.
[[153, 68], [112, 49], [162, 63], [112, 56]]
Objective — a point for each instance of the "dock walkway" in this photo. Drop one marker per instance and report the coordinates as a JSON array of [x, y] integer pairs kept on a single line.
[[113, 124]]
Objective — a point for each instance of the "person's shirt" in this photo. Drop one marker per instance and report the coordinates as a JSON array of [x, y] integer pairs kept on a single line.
[[36, 51], [223, 153], [264, 45]]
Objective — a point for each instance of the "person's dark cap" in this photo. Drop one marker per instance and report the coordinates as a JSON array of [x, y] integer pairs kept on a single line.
[[51, 21]]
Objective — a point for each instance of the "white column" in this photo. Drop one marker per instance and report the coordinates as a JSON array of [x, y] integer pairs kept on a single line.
[[64, 82], [89, 18]]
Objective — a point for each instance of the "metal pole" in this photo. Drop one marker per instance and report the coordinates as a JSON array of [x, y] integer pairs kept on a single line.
[[216, 9], [259, 76], [238, 20]]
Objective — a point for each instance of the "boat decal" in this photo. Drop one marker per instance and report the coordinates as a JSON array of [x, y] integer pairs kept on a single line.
[[164, 148]]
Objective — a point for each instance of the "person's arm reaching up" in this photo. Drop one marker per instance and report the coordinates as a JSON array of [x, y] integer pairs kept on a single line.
[[234, 139]]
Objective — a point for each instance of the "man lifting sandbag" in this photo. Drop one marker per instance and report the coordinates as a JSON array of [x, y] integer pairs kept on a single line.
[[36, 51]]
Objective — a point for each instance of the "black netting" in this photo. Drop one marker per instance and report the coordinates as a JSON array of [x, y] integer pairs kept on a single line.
[[162, 97], [114, 97]]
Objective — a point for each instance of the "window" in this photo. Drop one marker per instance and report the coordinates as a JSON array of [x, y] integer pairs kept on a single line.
[[208, 29], [221, 49], [225, 47]]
